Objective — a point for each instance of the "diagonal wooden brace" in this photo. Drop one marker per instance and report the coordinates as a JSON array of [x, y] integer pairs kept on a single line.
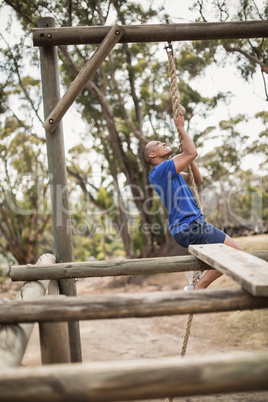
[[83, 77]]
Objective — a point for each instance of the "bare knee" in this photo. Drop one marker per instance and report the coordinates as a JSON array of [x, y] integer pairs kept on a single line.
[[231, 243]]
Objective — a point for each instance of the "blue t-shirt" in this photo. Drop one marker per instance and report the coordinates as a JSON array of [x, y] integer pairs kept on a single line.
[[176, 195]]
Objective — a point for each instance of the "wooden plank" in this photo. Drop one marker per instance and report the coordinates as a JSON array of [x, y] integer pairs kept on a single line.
[[152, 33], [79, 83], [136, 379], [14, 338], [87, 269], [149, 304], [251, 272]]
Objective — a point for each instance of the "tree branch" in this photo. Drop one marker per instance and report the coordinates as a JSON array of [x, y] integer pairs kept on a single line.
[[107, 110], [81, 181], [24, 90], [253, 59], [27, 129], [18, 9]]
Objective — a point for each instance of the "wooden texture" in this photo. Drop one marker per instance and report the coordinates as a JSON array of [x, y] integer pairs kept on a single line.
[[79, 83], [144, 266], [130, 305], [251, 272], [14, 338], [86, 269], [54, 337], [137, 379], [58, 178], [152, 33]]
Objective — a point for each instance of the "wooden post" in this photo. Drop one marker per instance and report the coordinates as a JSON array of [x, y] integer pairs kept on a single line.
[[54, 337], [58, 179], [14, 338], [153, 33], [115, 33], [138, 379]]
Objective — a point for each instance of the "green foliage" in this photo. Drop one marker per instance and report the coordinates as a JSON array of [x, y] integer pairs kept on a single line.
[[23, 202], [247, 54], [195, 57]]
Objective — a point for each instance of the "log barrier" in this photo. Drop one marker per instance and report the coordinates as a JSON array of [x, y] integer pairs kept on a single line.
[[152, 33], [141, 266], [136, 380], [130, 380], [151, 304]]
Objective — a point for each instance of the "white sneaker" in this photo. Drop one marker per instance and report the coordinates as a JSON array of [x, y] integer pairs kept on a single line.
[[189, 287]]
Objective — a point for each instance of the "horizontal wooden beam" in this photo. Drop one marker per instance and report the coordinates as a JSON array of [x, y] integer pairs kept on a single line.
[[248, 270], [137, 379], [139, 266], [150, 304], [152, 33]]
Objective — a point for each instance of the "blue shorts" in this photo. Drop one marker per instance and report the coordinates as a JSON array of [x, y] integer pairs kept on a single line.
[[199, 232]]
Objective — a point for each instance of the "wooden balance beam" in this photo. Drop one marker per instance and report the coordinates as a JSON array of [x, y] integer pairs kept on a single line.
[[250, 271]]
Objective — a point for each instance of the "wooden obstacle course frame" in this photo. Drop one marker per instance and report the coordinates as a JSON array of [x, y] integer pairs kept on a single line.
[[152, 33], [158, 378], [149, 379], [140, 33], [79, 83], [58, 178]]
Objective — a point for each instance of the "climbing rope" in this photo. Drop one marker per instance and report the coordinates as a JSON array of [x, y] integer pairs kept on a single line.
[[179, 109]]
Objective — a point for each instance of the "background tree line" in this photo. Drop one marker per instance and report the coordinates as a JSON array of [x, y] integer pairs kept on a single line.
[[126, 104]]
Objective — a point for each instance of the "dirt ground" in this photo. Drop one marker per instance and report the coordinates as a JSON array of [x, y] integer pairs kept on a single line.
[[158, 337]]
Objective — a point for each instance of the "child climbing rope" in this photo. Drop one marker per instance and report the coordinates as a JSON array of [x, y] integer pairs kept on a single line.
[[186, 222]]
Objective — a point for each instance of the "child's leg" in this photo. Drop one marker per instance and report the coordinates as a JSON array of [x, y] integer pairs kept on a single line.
[[209, 277]]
